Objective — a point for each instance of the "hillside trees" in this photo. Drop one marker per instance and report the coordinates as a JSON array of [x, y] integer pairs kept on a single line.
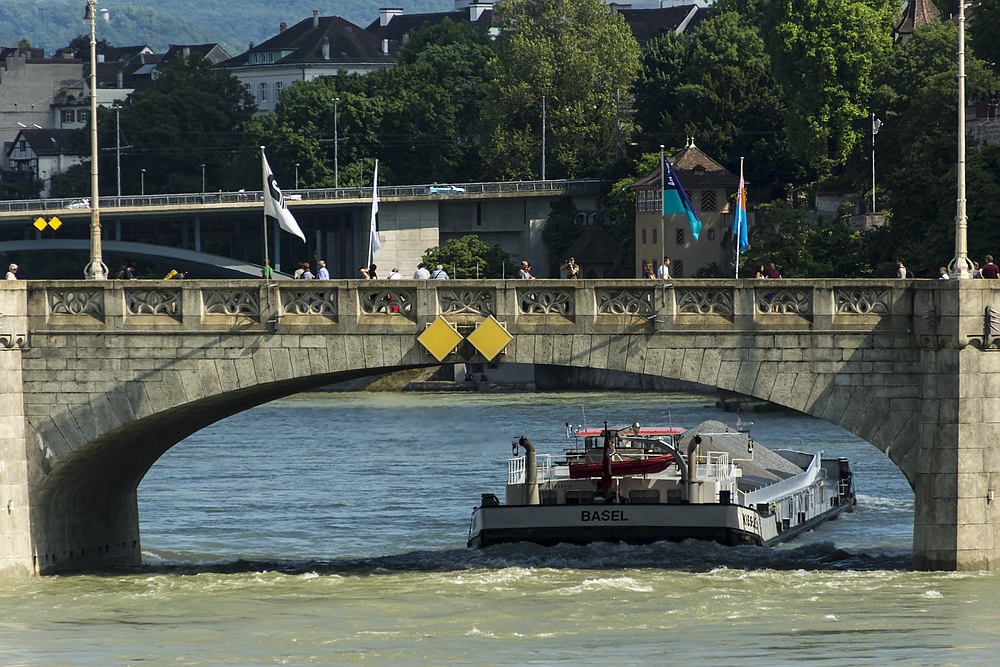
[[579, 56], [192, 115]]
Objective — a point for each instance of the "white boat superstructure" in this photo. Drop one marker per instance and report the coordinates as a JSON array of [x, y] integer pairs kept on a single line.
[[644, 485]]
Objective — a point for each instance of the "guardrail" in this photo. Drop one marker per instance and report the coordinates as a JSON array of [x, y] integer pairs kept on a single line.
[[578, 186]]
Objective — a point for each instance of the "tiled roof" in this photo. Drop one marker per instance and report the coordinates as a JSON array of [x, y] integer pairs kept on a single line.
[[648, 24], [404, 24], [917, 13], [348, 43], [47, 141], [695, 169]]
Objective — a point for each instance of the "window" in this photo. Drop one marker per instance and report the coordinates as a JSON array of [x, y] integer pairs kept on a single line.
[[708, 200], [678, 268], [263, 93], [711, 235], [82, 115], [248, 88], [680, 236], [654, 235], [644, 235], [69, 115], [277, 90]]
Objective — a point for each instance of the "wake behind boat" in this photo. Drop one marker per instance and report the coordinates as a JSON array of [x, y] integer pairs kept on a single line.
[[641, 485]]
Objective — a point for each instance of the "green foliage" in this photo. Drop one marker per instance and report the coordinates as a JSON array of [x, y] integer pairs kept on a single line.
[[468, 257], [576, 54], [14, 187], [985, 33], [825, 54], [620, 213], [560, 232], [193, 115], [781, 236]]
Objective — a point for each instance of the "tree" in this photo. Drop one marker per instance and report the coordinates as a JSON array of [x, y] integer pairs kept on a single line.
[[469, 257], [579, 56], [824, 53], [718, 87], [193, 115], [561, 230], [985, 33]]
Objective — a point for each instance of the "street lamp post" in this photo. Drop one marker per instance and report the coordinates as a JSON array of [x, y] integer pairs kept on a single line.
[[961, 266], [95, 269], [202, 178], [118, 146], [142, 181], [296, 175], [543, 137], [336, 156]]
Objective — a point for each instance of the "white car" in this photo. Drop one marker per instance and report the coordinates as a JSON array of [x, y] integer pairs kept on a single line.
[[445, 190], [79, 203]]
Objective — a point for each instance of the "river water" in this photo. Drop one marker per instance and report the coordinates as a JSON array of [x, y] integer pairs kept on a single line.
[[330, 529]]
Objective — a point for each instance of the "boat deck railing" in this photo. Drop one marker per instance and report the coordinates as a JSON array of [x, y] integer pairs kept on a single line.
[[516, 469]]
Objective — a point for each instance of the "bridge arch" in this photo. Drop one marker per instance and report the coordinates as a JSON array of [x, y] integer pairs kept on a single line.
[[114, 374]]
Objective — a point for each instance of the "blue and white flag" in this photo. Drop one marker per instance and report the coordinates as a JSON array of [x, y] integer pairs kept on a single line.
[[676, 201]]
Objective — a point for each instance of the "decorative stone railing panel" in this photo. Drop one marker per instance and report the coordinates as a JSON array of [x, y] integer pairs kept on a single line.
[[864, 302], [705, 301], [76, 301], [231, 302], [480, 303], [784, 301], [321, 303], [624, 301], [545, 302], [389, 303], [153, 302]]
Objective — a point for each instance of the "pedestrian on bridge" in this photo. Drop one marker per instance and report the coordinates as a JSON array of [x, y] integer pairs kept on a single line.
[[11, 272], [439, 273], [421, 273], [990, 270], [322, 273]]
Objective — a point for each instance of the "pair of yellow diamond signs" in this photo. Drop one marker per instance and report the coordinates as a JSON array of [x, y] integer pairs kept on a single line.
[[441, 338]]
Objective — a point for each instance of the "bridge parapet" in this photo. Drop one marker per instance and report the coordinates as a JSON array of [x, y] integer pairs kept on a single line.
[[539, 306]]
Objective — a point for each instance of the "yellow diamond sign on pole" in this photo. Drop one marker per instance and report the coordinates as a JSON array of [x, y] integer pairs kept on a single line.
[[440, 338], [55, 223], [490, 338], [40, 224]]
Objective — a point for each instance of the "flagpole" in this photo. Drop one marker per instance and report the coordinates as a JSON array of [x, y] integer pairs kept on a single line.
[[263, 171], [874, 132], [662, 182], [739, 195], [374, 195]]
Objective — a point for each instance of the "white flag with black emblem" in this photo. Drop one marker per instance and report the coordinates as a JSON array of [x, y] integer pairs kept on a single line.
[[274, 203]]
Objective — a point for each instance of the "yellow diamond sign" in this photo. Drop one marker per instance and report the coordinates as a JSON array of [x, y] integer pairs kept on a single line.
[[490, 338], [440, 338], [54, 223], [40, 224]]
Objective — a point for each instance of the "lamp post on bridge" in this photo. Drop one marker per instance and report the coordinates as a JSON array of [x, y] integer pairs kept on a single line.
[[296, 175], [961, 267], [142, 181], [336, 156], [203, 179], [96, 270]]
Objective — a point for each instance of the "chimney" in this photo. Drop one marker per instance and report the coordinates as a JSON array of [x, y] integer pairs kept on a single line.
[[386, 14], [100, 57], [477, 9], [120, 82], [385, 47], [282, 27], [315, 18], [326, 48]]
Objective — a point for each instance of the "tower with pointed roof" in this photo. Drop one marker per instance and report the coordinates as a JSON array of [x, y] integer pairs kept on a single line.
[[708, 184]]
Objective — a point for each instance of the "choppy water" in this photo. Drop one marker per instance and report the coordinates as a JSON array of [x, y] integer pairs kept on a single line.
[[330, 529]]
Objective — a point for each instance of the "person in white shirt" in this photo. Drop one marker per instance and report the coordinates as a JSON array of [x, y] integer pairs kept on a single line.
[[663, 273], [439, 273], [11, 272], [421, 273], [394, 275], [322, 273], [524, 273]]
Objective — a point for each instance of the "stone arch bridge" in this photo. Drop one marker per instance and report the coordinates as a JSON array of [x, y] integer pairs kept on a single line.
[[99, 379]]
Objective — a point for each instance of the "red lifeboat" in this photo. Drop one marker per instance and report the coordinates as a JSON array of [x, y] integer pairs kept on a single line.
[[621, 468]]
